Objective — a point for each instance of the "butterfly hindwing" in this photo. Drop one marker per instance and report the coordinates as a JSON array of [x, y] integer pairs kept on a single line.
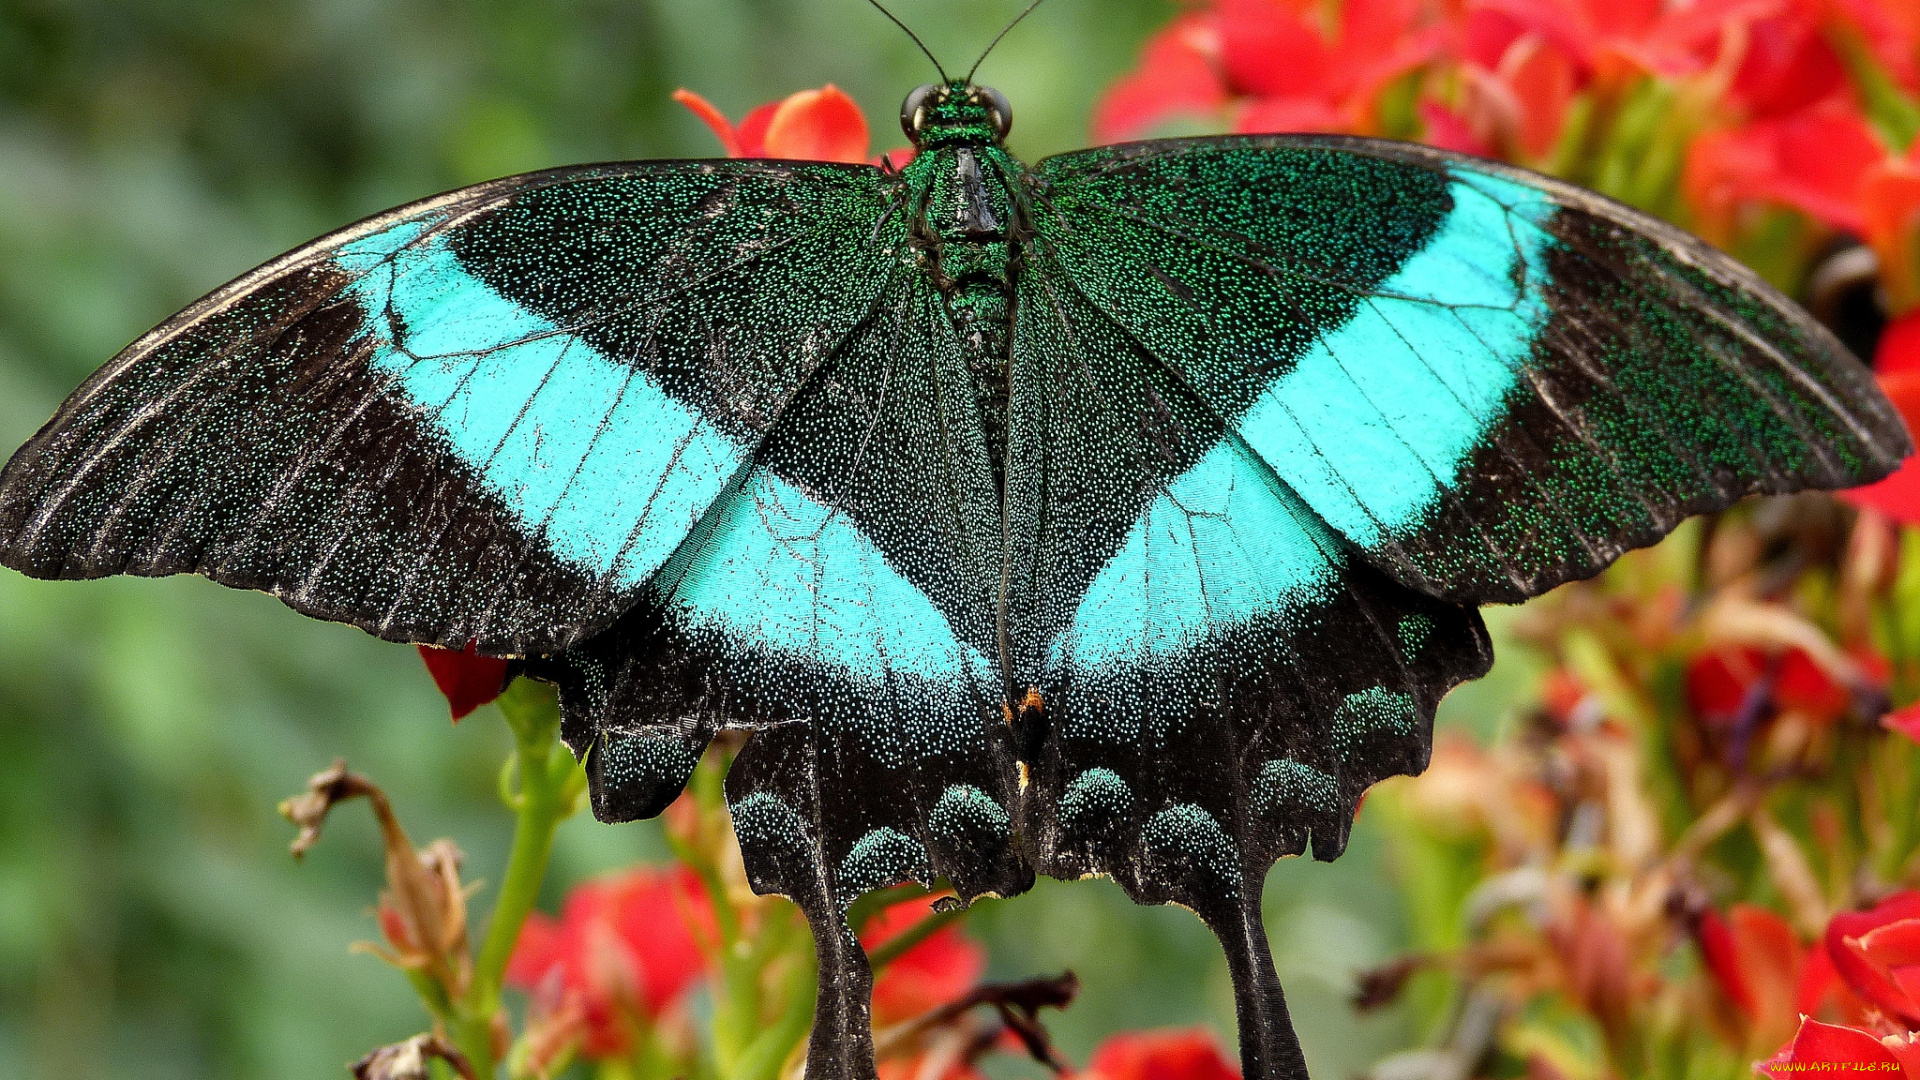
[[487, 418], [1489, 381]]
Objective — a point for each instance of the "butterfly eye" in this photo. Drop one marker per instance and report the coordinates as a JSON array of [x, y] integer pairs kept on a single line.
[[913, 111], [1002, 110]]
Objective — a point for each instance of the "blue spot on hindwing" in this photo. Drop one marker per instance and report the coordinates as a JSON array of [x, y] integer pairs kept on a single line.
[[1285, 788], [1191, 848], [884, 856], [1378, 416], [589, 453], [1096, 800], [967, 815], [1373, 715], [765, 825]]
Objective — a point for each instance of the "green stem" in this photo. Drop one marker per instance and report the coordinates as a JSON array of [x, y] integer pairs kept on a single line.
[[550, 786], [769, 1050]]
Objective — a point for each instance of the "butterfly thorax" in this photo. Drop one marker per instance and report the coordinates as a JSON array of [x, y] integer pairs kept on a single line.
[[966, 235]]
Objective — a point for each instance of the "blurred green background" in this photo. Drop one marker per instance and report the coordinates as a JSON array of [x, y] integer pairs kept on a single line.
[[151, 922]]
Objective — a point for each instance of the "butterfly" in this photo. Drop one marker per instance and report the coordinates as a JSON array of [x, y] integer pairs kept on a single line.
[[1125, 514]]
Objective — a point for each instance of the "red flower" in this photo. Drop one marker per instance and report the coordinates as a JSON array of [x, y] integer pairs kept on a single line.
[[932, 973], [1890, 216], [1788, 64], [1719, 682], [1818, 1044], [1877, 954], [624, 949], [1813, 160], [1891, 32], [1190, 1054], [1897, 364], [1756, 961], [1178, 75], [812, 125], [1285, 69], [468, 679]]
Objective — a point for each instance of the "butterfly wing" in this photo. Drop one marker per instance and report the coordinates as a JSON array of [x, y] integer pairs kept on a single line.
[[1490, 381], [840, 602], [489, 417], [1283, 410], [1214, 674]]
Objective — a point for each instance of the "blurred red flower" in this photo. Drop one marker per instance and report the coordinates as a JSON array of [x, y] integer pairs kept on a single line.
[[1184, 1054], [1890, 217], [811, 125], [1813, 160], [1755, 960], [467, 679], [1839, 1049], [1877, 954], [623, 950], [1278, 62], [932, 973], [1897, 365], [1719, 683]]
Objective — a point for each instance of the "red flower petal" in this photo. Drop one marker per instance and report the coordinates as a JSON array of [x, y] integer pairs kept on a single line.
[[1899, 352], [1817, 982], [1176, 76], [1892, 31], [1190, 1054], [1890, 212], [817, 125], [1280, 114], [1268, 49], [1448, 130], [1545, 79], [1788, 66], [625, 942], [1770, 960], [1493, 27], [1906, 1050], [713, 118], [753, 129], [1814, 161], [1718, 681], [1805, 686], [1722, 956], [1828, 1044], [1897, 497], [1905, 721], [467, 679], [934, 972], [1857, 969]]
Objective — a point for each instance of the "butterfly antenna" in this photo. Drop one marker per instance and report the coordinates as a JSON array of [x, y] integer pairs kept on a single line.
[[1003, 33], [895, 19]]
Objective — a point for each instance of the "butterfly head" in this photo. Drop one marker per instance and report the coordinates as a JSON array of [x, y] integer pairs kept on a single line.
[[955, 113]]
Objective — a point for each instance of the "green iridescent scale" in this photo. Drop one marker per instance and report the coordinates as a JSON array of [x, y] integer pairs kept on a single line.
[[1126, 515]]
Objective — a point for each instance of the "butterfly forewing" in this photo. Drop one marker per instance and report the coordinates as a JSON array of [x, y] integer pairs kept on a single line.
[[1489, 381], [488, 418]]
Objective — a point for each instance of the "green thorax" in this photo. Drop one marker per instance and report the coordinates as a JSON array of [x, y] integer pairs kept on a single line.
[[968, 209]]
